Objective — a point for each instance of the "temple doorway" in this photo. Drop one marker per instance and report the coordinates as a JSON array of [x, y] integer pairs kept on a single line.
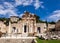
[[25, 28], [38, 29]]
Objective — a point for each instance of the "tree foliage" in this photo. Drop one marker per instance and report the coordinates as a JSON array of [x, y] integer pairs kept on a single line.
[[37, 20], [41, 21], [51, 22], [5, 20]]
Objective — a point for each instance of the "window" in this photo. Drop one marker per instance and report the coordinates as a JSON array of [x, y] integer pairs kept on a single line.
[[25, 28], [38, 29], [14, 28]]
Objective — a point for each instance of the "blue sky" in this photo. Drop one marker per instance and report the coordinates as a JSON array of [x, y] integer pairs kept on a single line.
[[47, 9]]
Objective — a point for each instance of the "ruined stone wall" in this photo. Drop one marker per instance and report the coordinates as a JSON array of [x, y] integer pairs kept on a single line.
[[42, 27]]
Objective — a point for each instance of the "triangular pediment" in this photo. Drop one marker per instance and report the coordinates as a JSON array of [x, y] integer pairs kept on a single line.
[[27, 14]]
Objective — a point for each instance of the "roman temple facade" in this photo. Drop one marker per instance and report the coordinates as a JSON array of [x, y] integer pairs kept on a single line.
[[24, 26]]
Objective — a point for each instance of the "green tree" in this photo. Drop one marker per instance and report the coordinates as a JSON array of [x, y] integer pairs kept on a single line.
[[38, 19], [51, 22]]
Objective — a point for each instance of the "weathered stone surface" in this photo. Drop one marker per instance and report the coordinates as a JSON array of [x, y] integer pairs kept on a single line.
[[16, 40]]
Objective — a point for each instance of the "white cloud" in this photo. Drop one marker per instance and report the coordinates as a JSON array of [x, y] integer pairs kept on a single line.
[[8, 5], [35, 3], [1, 7], [10, 12], [55, 15], [21, 15], [7, 8], [23, 2], [18, 2], [38, 4]]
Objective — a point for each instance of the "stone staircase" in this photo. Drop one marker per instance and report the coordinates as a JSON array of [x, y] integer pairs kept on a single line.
[[24, 35]]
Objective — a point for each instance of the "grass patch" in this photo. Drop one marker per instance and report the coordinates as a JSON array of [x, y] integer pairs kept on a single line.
[[47, 41]]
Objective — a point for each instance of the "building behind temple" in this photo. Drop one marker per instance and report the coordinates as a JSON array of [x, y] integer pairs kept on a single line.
[[24, 26]]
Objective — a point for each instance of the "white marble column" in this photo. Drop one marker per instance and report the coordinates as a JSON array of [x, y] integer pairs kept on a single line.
[[35, 28], [9, 30], [9, 27], [31, 29], [23, 28]]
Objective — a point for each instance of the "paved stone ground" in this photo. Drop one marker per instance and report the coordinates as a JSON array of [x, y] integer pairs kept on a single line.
[[16, 40]]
